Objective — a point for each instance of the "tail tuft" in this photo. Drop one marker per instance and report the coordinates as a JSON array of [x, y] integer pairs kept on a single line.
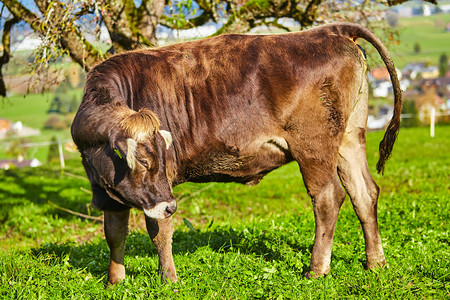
[[387, 143]]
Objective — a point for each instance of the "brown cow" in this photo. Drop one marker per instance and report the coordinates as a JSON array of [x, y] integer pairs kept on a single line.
[[233, 108]]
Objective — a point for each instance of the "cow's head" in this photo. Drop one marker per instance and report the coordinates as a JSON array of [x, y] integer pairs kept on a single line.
[[131, 166]]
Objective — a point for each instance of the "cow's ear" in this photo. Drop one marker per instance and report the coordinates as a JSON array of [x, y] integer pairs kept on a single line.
[[126, 149], [167, 136]]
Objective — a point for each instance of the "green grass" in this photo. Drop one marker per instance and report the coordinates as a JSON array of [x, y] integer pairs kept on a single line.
[[247, 243]]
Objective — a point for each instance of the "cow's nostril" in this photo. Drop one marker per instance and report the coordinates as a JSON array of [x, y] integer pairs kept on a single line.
[[170, 209]]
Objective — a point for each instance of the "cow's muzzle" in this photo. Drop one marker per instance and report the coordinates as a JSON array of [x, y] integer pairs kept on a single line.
[[162, 210]]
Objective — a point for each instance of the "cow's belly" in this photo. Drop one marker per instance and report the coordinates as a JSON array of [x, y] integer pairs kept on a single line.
[[247, 166]]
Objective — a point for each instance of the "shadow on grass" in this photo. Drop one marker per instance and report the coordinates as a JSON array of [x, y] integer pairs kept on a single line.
[[43, 184], [94, 257]]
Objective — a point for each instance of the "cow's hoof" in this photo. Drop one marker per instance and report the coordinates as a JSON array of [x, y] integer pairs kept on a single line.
[[376, 263], [116, 273], [317, 271], [169, 277], [171, 280], [378, 266], [312, 275], [113, 281]]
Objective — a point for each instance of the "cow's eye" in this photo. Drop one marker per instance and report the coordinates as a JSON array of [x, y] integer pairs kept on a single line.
[[144, 163]]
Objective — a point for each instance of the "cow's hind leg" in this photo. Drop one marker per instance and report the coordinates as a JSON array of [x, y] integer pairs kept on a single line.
[[326, 205], [363, 191], [116, 231], [161, 232], [316, 151]]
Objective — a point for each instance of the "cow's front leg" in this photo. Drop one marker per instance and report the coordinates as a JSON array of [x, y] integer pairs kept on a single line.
[[116, 231], [161, 232], [326, 205]]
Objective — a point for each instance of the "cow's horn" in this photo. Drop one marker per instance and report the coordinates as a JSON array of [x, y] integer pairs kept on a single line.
[[126, 148], [167, 136], [134, 127]]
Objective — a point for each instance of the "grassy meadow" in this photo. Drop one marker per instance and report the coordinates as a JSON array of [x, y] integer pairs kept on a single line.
[[232, 241], [429, 33], [31, 110]]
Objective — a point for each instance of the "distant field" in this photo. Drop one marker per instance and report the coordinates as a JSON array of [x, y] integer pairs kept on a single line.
[[429, 33], [31, 110]]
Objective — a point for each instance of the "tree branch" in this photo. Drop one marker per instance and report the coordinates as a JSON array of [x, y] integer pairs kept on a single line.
[[309, 15], [174, 23], [68, 35], [130, 27], [21, 12], [244, 18], [76, 213], [275, 23], [147, 19], [6, 42]]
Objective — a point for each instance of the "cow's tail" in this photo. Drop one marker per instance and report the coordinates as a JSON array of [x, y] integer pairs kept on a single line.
[[355, 31]]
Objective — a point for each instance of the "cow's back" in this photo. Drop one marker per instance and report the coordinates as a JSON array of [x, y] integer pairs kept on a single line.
[[230, 101]]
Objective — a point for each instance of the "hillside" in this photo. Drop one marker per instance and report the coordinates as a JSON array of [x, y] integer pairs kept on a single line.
[[429, 33]]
